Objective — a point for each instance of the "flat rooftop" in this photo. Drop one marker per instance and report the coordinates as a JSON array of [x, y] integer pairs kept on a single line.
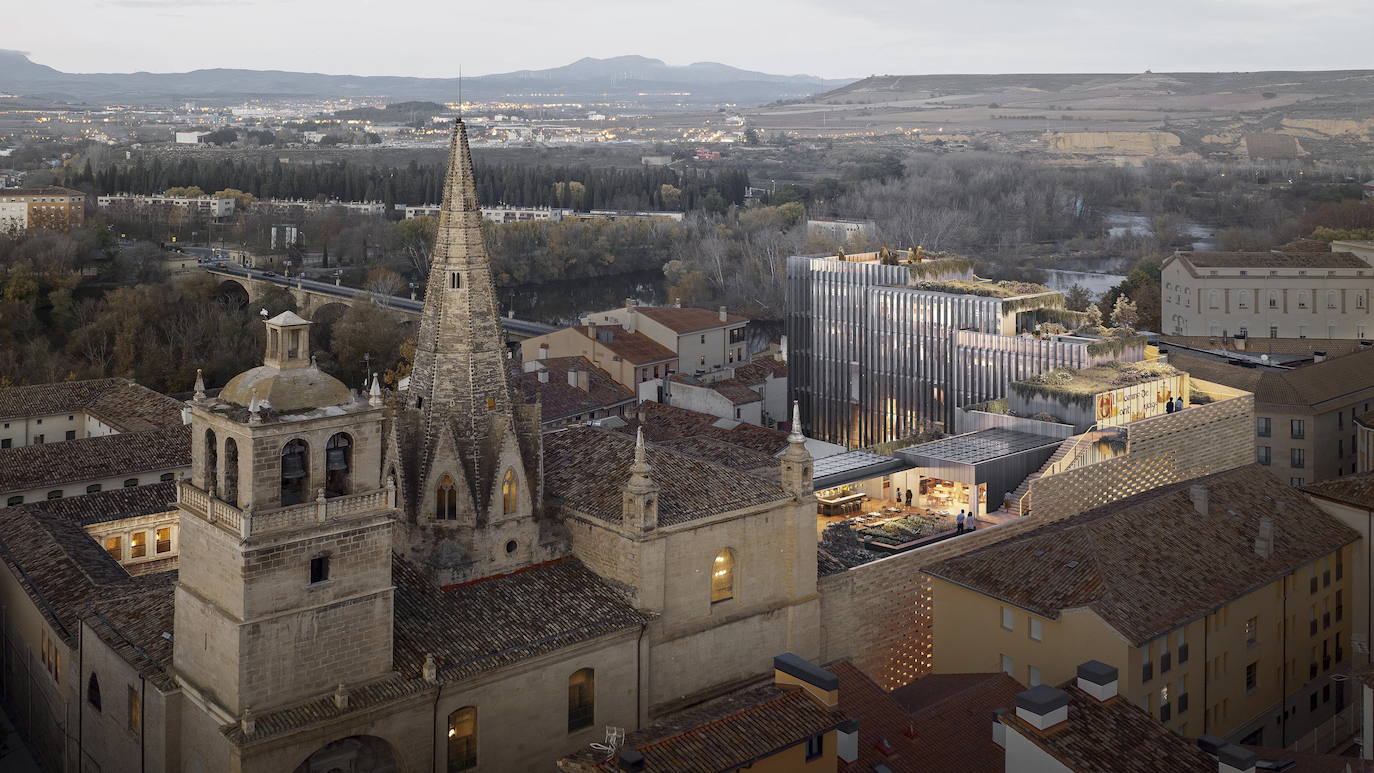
[[1097, 379], [1273, 259], [854, 465], [981, 446]]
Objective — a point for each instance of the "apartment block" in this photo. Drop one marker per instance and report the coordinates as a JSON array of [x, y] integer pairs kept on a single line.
[[52, 207], [1272, 294], [1224, 599], [207, 206]]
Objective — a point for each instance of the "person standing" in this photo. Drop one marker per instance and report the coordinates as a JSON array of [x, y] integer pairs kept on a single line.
[[959, 523], [971, 522]]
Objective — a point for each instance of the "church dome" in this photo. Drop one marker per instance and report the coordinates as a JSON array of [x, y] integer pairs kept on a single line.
[[292, 389]]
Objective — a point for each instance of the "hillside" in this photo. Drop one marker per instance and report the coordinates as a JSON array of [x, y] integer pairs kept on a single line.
[[634, 79], [1205, 115]]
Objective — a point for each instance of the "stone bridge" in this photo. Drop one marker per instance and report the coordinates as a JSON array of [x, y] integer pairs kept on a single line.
[[312, 297]]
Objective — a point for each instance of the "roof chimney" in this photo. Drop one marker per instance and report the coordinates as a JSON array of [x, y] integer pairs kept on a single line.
[[572, 376], [820, 684], [847, 743], [543, 351], [1234, 759], [629, 760], [543, 375], [1264, 538], [999, 730], [722, 313], [1043, 706], [1239, 342], [1198, 493], [677, 303], [1318, 357], [1097, 679]]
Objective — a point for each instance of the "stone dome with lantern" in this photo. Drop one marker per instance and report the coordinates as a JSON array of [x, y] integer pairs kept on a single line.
[[288, 380]]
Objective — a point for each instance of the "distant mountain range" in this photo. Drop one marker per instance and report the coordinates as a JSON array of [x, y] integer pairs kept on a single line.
[[633, 79]]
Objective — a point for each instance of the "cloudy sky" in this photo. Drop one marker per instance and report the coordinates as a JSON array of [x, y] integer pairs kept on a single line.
[[819, 37]]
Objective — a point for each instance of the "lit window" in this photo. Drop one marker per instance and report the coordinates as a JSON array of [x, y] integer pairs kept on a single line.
[[723, 576], [138, 544], [462, 739], [115, 547], [510, 488], [164, 539]]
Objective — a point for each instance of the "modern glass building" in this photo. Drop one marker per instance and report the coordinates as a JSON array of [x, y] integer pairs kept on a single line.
[[878, 352]]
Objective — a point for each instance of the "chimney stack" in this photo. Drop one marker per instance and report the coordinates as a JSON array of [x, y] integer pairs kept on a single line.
[[1198, 493], [1043, 706], [1318, 357], [631, 317], [1097, 679], [1234, 759], [543, 375], [572, 376], [1264, 538], [821, 685], [543, 351], [847, 743], [1239, 342], [722, 313], [629, 761]]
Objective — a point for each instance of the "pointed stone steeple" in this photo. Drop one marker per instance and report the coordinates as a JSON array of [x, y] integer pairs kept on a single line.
[[796, 460], [640, 502], [460, 353]]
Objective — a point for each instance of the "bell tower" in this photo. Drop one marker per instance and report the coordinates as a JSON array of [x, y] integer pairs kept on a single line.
[[285, 589]]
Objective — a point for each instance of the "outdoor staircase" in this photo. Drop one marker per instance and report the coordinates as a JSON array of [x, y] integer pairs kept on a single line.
[[1062, 459]]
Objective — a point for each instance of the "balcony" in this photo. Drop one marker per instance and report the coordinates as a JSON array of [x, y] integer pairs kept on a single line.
[[247, 522]]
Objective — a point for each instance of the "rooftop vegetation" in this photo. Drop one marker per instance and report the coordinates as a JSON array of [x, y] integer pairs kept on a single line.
[[1081, 385], [982, 287]]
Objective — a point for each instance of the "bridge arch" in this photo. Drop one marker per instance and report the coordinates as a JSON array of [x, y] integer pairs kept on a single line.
[[235, 292], [325, 316]]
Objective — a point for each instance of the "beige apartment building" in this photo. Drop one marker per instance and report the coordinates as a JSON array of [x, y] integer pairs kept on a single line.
[[1272, 294], [51, 207], [1306, 417], [703, 340], [631, 358], [1224, 599]]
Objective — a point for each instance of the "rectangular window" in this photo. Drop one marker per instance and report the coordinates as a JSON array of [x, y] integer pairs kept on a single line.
[[815, 746], [115, 547], [5, 443], [164, 539], [1263, 426], [1035, 629], [1252, 676], [319, 569], [1165, 662], [1297, 458], [1008, 619], [71, 434], [1297, 429], [138, 544], [1008, 666], [135, 711], [1032, 676], [1262, 454], [1296, 482]]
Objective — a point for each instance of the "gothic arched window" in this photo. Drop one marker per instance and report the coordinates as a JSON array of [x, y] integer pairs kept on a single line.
[[338, 463], [295, 472], [231, 472], [462, 739], [723, 576], [581, 699], [446, 500], [510, 488], [211, 461]]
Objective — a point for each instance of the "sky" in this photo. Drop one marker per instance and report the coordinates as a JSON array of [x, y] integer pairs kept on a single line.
[[814, 37]]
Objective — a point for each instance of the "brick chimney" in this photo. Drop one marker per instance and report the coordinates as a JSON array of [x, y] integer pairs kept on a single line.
[[1043, 706], [1097, 679], [1198, 493], [1318, 357]]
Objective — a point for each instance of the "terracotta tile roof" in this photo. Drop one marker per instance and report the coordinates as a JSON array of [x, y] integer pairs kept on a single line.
[[67, 574], [585, 467], [471, 628], [106, 456], [1147, 563], [1113, 735], [732, 732], [118, 402], [736, 391], [558, 399], [760, 370], [885, 731], [728, 454], [942, 721], [632, 347], [47, 190], [666, 422], [1334, 347], [133, 625], [1357, 489], [1305, 386], [1273, 259], [687, 319]]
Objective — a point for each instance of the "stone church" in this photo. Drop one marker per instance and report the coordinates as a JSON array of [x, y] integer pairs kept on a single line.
[[421, 581]]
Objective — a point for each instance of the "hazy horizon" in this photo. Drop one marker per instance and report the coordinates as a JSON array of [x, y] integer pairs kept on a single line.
[[367, 37]]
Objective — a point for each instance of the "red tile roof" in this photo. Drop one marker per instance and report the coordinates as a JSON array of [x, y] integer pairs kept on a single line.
[[118, 402], [688, 319], [106, 456], [1356, 490], [558, 399], [1188, 564], [633, 347], [666, 422]]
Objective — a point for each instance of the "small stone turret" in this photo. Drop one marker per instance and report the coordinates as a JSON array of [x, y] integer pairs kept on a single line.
[[796, 460], [640, 496]]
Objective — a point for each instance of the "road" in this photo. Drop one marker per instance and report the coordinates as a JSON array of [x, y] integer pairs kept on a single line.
[[520, 327]]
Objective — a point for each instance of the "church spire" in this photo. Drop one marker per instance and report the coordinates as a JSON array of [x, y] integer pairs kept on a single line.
[[795, 459], [460, 353]]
